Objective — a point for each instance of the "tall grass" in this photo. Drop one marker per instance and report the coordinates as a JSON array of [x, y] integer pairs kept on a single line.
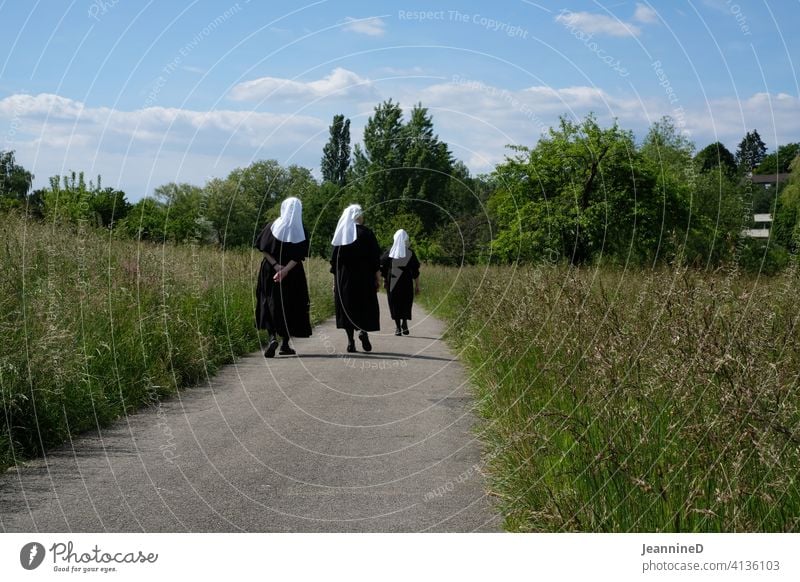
[[632, 400], [92, 328]]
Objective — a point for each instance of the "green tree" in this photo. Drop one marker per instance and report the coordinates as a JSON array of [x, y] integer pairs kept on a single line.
[[146, 220], [668, 154], [336, 153], [778, 162], [465, 232], [377, 168], [786, 225], [36, 203], [299, 182], [231, 213], [15, 182], [322, 206], [237, 206], [715, 156], [718, 215], [69, 198], [584, 192], [751, 152], [185, 218], [109, 206], [402, 169], [668, 148], [427, 164]]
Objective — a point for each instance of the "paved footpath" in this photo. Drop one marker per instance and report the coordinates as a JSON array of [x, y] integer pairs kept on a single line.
[[325, 441]]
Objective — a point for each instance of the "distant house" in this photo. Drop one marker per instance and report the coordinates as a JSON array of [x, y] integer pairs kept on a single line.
[[768, 181], [761, 226]]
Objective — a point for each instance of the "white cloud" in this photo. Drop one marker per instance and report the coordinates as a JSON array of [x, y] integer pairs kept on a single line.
[[597, 23], [645, 14], [540, 105], [479, 120], [403, 72], [339, 83], [566, 97], [140, 149], [602, 24], [22, 105], [53, 134], [49, 115], [727, 120], [372, 26]]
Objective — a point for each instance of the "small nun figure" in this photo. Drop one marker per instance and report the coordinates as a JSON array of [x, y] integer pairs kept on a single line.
[[282, 302], [355, 264], [400, 270]]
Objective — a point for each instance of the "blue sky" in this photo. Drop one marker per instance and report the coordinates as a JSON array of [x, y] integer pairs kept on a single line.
[[146, 93]]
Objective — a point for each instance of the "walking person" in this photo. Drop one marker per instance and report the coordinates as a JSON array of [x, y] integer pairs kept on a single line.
[[400, 270], [355, 264], [282, 302]]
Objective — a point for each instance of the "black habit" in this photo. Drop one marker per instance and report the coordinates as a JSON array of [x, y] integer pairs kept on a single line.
[[354, 267], [399, 275], [282, 308]]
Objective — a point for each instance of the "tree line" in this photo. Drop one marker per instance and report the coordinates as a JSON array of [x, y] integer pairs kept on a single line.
[[586, 193], [583, 193]]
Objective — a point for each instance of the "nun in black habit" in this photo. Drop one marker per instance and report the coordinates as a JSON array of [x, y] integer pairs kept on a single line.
[[400, 270], [355, 264], [282, 303]]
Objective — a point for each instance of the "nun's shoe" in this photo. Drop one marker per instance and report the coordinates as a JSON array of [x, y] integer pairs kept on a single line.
[[398, 331], [364, 337], [270, 351], [405, 328], [351, 346], [286, 351]]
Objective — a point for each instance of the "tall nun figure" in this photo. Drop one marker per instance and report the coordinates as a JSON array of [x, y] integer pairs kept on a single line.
[[355, 264], [282, 303], [400, 270]]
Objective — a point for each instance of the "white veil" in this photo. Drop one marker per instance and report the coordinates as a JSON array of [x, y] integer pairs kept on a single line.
[[345, 232], [400, 245], [288, 227]]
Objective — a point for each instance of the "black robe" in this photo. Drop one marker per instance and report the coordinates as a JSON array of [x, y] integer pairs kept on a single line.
[[282, 308], [355, 294], [399, 275]]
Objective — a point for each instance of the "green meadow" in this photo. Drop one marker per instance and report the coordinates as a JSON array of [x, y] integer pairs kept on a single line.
[[631, 400]]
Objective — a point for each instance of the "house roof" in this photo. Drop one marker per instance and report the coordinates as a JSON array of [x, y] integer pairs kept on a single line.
[[769, 178]]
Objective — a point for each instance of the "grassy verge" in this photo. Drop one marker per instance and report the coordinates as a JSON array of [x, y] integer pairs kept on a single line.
[[632, 401], [92, 328]]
